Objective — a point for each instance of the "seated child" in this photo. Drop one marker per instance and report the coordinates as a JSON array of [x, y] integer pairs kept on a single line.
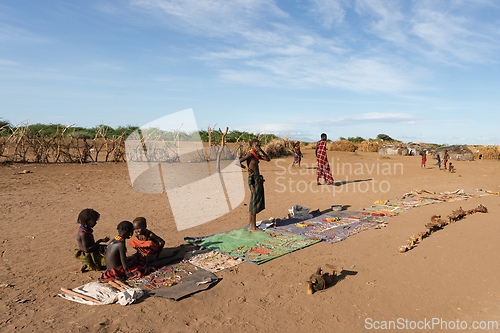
[[451, 168], [147, 243], [116, 257], [89, 252]]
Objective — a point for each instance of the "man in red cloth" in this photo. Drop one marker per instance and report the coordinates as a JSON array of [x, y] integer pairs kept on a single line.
[[323, 169]]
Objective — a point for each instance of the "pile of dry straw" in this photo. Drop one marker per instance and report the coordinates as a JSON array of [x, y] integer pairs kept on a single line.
[[368, 146], [342, 145], [485, 152]]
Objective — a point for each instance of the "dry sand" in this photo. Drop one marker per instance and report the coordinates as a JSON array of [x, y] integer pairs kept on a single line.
[[451, 275]]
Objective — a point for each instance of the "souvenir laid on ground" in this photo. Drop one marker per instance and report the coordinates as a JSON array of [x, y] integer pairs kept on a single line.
[[211, 261], [299, 212], [166, 276], [264, 224], [175, 281], [330, 228], [337, 208], [437, 223], [336, 226], [98, 293], [256, 247]]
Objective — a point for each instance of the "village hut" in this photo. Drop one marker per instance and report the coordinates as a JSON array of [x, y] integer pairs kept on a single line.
[[368, 146], [277, 148], [393, 149], [428, 148], [342, 145], [485, 152], [456, 152], [414, 149]]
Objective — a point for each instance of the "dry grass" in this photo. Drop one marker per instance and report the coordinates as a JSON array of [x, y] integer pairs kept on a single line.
[[277, 148], [342, 145], [369, 146], [311, 145], [485, 152]]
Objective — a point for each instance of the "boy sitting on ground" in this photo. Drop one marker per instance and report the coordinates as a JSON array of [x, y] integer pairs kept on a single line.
[[147, 242], [116, 257], [89, 252]]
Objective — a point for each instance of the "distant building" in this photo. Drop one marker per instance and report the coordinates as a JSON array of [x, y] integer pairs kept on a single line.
[[456, 152]]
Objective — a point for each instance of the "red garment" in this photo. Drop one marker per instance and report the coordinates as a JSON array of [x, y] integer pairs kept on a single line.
[[138, 270], [254, 155], [323, 170], [146, 247], [424, 159]]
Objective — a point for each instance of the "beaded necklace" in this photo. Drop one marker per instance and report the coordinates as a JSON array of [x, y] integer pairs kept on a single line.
[[85, 230]]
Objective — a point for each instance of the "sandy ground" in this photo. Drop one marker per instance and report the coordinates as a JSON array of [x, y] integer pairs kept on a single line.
[[452, 275]]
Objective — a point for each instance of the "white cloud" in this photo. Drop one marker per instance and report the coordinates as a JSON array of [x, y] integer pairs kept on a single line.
[[9, 33], [4, 62], [444, 31], [214, 17], [329, 12], [311, 128], [372, 117]]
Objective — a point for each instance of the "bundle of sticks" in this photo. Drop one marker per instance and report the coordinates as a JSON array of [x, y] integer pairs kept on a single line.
[[437, 223], [117, 284]]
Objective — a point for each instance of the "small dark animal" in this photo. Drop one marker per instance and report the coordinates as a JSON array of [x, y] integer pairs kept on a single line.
[[320, 280]]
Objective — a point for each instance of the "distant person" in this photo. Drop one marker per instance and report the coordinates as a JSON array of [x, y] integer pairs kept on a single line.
[[439, 161], [147, 242], [297, 154], [445, 158], [89, 252], [86, 151], [255, 181], [424, 159], [451, 168], [323, 169], [118, 267]]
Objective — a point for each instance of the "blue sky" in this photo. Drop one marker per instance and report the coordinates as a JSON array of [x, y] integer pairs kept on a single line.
[[415, 70]]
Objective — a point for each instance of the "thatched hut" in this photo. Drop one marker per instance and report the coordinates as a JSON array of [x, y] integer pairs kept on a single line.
[[414, 149], [456, 152], [485, 152], [368, 146], [277, 148], [342, 145], [393, 149]]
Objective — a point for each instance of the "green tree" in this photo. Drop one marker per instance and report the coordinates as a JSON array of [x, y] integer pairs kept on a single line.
[[357, 139], [384, 137]]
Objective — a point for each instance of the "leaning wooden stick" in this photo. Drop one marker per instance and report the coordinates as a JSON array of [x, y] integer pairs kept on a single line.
[[116, 285], [124, 285], [85, 297]]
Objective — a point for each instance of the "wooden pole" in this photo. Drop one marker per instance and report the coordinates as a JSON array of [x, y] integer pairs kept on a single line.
[[124, 285], [116, 285], [85, 297]]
